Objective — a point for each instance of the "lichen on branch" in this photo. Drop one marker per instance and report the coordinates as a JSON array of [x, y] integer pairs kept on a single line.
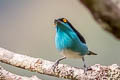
[[42, 66]]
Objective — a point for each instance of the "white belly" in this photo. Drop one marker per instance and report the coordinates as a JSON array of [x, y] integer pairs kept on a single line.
[[71, 54]]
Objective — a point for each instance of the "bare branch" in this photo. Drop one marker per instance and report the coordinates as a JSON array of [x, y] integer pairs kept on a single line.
[[106, 13], [5, 75], [63, 71]]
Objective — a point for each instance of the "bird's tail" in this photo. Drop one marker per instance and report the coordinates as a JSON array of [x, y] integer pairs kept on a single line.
[[91, 53]]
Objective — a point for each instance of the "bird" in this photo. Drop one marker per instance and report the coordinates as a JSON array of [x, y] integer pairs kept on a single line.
[[69, 42]]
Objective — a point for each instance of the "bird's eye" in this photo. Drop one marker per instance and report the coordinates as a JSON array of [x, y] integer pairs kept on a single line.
[[64, 20]]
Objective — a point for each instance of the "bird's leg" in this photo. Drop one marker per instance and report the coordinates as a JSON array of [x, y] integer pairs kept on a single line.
[[57, 62], [84, 64]]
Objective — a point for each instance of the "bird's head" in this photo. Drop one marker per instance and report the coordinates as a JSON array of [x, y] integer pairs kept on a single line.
[[60, 21], [62, 24]]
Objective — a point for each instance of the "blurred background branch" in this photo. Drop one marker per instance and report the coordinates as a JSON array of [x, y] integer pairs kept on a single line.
[[106, 13], [62, 71], [6, 75]]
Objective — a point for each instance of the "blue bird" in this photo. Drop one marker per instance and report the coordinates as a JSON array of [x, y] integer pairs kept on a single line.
[[70, 42]]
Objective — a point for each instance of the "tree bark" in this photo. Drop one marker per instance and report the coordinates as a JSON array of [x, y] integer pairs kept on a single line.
[[6, 75], [106, 13], [95, 72]]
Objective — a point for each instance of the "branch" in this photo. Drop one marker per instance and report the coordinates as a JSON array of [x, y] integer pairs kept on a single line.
[[5, 75], [106, 13], [62, 71]]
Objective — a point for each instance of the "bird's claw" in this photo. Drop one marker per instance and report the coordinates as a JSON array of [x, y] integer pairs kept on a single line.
[[85, 70], [55, 65], [57, 62]]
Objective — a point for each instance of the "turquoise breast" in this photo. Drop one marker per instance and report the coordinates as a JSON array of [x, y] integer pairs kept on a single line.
[[69, 40]]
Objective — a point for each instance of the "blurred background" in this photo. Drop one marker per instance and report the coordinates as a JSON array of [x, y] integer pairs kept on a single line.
[[26, 27]]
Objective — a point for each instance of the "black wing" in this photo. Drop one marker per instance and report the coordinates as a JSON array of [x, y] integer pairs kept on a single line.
[[78, 34]]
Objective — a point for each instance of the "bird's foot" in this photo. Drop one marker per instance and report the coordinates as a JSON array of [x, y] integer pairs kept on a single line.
[[55, 65], [57, 62], [85, 67], [85, 70]]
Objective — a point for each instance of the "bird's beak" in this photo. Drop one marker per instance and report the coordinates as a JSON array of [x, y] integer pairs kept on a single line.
[[56, 21]]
